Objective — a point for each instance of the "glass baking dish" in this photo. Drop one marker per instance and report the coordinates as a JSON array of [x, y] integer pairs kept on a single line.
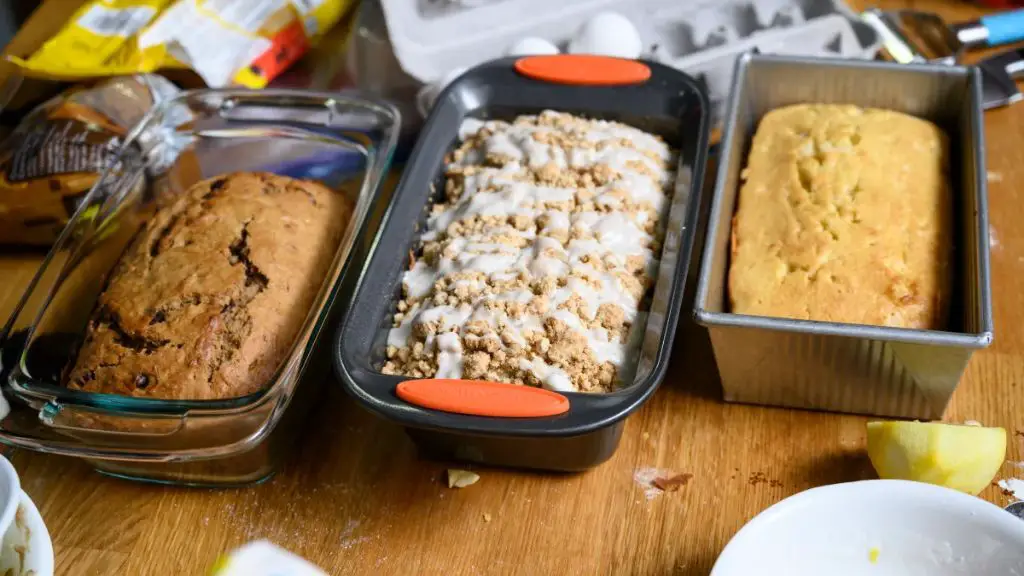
[[343, 141]]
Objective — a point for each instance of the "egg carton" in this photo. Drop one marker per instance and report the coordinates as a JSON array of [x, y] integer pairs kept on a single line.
[[434, 39]]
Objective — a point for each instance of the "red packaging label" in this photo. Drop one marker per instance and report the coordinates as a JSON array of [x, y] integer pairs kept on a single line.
[[287, 46]]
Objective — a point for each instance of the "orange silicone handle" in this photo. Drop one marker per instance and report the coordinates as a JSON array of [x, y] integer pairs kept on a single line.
[[583, 70], [480, 398]]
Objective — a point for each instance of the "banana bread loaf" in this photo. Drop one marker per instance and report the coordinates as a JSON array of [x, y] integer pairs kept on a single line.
[[845, 215], [208, 298]]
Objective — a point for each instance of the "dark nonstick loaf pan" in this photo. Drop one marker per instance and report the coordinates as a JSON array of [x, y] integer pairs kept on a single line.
[[554, 431]]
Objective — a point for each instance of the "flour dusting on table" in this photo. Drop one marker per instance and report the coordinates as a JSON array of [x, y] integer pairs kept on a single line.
[[645, 477], [1013, 487]]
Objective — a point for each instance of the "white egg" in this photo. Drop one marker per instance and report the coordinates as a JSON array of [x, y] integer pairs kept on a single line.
[[532, 46], [427, 95], [607, 34]]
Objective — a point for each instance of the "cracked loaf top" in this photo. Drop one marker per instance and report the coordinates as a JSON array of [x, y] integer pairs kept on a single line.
[[206, 301], [535, 263], [845, 215]]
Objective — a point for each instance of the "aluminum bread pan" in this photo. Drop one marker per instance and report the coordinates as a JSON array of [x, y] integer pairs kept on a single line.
[[844, 367]]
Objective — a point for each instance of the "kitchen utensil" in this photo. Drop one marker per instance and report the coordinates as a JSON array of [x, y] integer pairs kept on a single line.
[[999, 74], [1017, 509], [924, 35], [991, 30], [937, 43], [913, 36]]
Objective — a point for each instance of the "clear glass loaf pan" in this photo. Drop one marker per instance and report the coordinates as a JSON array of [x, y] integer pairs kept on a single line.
[[874, 370], [345, 142]]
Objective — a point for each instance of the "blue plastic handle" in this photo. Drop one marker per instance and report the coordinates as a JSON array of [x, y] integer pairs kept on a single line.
[[1005, 27]]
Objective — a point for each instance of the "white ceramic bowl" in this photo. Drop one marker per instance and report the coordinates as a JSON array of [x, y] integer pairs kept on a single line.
[[31, 533], [877, 527], [22, 528], [10, 493]]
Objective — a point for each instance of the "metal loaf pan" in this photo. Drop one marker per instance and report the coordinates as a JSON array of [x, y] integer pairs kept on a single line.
[[843, 367], [668, 103]]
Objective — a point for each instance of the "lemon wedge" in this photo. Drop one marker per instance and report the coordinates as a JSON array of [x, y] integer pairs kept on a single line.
[[964, 458]]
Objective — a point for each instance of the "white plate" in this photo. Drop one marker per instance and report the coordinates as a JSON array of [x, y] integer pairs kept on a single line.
[[877, 527]]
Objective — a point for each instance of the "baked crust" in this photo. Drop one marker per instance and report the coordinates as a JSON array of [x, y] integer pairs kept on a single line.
[[208, 298], [536, 262], [845, 215]]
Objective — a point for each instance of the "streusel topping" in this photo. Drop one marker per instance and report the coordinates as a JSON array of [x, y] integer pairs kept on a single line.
[[534, 266]]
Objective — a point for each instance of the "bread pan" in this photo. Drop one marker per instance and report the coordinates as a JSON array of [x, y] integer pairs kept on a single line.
[[345, 142], [843, 367], [586, 432]]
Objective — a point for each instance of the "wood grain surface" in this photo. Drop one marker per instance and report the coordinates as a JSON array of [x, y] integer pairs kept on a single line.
[[355, 498]]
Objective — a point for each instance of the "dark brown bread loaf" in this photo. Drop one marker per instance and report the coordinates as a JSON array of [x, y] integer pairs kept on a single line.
[[207, 300]]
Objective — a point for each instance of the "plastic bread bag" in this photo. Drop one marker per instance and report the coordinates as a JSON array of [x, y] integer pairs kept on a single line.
[[226, 42], [56, 153]]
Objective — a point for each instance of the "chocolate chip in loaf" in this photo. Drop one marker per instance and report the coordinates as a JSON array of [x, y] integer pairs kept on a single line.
[[142, 381], [136, 342], [239, 254], [156, 247], [215, 186]]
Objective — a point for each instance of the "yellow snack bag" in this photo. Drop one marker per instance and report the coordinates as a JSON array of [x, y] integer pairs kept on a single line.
[[243, 42], [100, 40]]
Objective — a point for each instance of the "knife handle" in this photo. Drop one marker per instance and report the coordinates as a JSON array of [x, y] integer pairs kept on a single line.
[[1004, 27]]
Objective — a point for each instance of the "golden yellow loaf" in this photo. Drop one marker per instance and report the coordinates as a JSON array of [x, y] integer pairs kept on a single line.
[[845, 215]]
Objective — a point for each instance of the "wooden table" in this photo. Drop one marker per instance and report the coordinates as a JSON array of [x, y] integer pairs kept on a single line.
[[356, 499]]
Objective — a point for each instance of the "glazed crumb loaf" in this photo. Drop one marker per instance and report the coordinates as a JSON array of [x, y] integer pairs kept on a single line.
[[535, 265], [845, 215], [207, 299]]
